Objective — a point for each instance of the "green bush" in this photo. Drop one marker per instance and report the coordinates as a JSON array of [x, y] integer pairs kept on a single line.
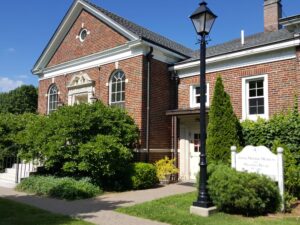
[[143, 176], [62, 188], [282, 130], [57, 138], [105, 159], [222, 130], [243, 193]]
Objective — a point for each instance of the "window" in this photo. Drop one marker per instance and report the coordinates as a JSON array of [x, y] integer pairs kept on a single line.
[[255, 97], [52, 99], [196, 142], [117, 88], [82, 35], [195, 96]]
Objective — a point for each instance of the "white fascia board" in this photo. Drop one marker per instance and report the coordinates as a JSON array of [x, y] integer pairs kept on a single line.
[[268, 57], [126, 51], [165, 52], [239, 54], [68, 22]]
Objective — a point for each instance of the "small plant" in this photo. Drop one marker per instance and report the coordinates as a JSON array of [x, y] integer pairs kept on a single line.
[[143, 176], [62, 188], [165, 168]]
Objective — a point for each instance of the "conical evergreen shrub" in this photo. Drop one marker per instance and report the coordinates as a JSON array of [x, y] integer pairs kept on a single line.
[[222, 131]]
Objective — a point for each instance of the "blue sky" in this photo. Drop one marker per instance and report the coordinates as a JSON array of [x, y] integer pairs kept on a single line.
[[27, 26]]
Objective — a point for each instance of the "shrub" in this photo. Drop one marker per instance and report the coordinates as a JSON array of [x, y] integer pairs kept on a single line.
[[62, 188], [57, 138], [143, 176], [243, 193], [165, 167], [105, 159], [222, 130]]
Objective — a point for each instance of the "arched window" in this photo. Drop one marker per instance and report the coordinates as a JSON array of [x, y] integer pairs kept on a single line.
[[52, 98], [117, 88]]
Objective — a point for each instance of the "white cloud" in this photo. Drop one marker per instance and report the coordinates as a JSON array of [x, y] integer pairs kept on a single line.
[[11, 50], [7, 84], [23, 76]]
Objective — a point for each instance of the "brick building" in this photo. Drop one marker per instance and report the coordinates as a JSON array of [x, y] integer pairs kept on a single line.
[[97, 55]]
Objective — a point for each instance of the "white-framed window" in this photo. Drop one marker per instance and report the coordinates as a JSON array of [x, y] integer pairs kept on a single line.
[[117, 88], [195, 96], [255, 97], [52, 98]]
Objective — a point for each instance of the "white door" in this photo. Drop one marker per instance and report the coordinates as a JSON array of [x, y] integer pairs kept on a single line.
[[194, 155]]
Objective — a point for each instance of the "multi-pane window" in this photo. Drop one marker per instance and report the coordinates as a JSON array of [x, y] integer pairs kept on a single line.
[[117, 88], [255, 97], [256, 100], [52, 99], [195, 96]]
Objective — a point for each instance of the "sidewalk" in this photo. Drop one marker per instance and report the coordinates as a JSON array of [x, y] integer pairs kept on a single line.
[[100, 210]]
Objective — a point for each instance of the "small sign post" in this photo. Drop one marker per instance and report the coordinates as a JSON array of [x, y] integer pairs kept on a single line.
[[262, 161]]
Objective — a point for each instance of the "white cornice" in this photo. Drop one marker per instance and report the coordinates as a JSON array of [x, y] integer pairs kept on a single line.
[[251, 60], [245, 53]]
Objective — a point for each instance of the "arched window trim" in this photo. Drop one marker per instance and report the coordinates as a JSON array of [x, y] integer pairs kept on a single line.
[[52, 98], [117, 88]]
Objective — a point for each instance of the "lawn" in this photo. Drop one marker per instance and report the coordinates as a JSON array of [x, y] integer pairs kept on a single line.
[[12, 213], [175, 210]]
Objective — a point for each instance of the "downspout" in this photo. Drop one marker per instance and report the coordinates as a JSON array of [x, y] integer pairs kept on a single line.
[[149, 56]]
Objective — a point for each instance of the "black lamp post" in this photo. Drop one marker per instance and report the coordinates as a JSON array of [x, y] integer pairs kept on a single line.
[[203, 19]]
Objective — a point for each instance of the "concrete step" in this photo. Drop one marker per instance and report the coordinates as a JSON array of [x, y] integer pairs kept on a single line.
[[6, 176], [7, 184]]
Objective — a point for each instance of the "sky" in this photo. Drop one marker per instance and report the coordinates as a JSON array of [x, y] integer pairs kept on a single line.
[[27, 26]]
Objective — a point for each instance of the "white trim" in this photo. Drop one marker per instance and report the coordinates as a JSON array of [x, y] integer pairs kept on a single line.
[[229, 56], [252, 60], [129, 50], [245, 80], [193, 104]]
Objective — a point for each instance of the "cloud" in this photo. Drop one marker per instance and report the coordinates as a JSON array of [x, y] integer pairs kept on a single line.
[[7, 84], [11, 50], [23, 76]]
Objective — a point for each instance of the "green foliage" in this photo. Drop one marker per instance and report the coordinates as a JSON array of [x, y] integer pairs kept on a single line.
[[165, 167], [282, 130], [222, 131], [105, 159], [61, 138], [20, 100], [11, 126], [243, 193], [62, 188], [143, 176]]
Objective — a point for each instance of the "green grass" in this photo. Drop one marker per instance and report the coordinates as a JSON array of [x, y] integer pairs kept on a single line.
[[12, 213], [175, 210]]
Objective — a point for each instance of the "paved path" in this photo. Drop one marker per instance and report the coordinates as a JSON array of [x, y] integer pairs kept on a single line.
[[100, 210]]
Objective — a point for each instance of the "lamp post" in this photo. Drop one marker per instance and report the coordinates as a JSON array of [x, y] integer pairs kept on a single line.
[[203, 19]]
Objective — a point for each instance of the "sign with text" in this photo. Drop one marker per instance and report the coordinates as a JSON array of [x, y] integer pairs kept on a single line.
[[257, 160], [262, 161]]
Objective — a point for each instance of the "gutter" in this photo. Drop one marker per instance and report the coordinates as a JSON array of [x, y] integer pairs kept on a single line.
[[149, 57]]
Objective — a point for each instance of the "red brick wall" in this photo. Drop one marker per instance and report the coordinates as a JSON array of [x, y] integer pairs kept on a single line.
[[282, 80], [101, 38], [160, 102], [135, 70]]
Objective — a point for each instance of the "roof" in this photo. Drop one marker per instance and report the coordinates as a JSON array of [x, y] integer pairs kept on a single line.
[[146, 34], [252, 41]]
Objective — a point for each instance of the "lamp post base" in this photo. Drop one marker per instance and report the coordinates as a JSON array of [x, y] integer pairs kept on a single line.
[[204, 212]]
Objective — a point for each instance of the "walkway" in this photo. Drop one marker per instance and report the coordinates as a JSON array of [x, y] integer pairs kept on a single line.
[[100, 210]]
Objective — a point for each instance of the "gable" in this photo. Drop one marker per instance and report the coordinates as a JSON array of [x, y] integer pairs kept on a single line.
[[100, 37]]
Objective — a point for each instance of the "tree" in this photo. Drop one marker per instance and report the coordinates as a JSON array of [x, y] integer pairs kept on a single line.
[[222, 130], [20, 100]]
